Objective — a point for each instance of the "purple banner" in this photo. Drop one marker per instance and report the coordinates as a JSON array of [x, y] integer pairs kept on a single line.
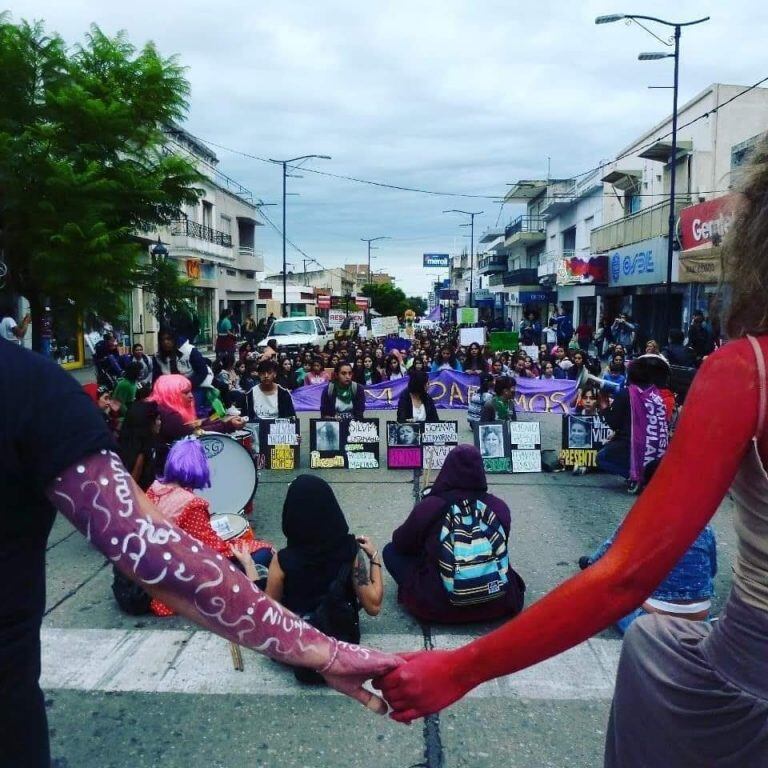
[[452, 390], [650, 433]]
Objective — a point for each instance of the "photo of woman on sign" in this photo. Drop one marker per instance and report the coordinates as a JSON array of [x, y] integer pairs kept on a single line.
[[491, 441]]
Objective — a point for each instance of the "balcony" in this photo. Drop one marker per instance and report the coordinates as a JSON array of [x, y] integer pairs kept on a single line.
[[200, 232], [496, 279], [525, 230], [643, 225], [492, 263], [521, 277], [250, 258]]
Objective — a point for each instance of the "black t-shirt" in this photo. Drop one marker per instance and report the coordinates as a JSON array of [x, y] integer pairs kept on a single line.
[[47, 423]]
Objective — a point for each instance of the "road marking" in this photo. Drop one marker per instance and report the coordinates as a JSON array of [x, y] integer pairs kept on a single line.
[[197, 662]]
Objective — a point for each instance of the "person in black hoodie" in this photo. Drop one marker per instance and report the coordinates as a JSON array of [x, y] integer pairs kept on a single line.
[[415, 403], [412, 557], [319, 547]]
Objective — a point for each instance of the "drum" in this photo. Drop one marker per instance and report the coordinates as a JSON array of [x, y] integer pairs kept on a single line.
[[230, 527], [233, 474], [246, 438]]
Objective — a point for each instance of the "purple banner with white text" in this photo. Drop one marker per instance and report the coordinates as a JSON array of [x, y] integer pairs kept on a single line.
[[451, 389]]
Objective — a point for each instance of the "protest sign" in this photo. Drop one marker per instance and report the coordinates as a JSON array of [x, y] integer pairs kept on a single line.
[[384, 326], [493, 442], [532, 352], [583, 437], [404, 445], [437, 441], [524, 435], [344, 443], [469, 336], [278, 444], [503, 341], [650, 432], [361, 443], [525, 461], [467, 315]]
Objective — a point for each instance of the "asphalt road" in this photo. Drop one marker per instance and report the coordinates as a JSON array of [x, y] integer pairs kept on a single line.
[[144, 692]]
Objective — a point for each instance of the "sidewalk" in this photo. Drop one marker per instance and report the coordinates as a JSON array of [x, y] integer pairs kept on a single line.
[[84, 375]]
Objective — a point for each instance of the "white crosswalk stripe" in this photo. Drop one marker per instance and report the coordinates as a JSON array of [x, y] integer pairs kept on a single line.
[[196, 662]]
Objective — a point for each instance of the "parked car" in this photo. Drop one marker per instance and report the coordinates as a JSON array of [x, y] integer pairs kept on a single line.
[[293, 333]]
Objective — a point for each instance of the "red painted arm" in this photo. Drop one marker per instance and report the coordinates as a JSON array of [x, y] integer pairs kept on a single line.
[[718, 422], [102, 501]]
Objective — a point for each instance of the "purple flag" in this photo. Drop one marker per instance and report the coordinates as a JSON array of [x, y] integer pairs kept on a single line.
[[650, 433], [452, 390], [434, 315]]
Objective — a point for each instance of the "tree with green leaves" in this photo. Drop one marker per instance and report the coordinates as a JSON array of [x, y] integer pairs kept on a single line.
[[418, 304], [83, 168]]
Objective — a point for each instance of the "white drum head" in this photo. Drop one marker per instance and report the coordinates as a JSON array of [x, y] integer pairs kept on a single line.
[[228, 527], [233, 474]]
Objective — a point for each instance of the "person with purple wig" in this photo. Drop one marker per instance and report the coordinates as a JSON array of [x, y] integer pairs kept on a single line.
[[187, 470]]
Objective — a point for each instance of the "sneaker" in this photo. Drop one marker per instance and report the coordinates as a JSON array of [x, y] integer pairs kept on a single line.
[[579, 470], [633, 488], [584, 562]]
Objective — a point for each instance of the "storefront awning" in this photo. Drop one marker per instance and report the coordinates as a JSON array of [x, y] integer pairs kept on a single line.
[[662, 150], [702, 265], [623, 180]]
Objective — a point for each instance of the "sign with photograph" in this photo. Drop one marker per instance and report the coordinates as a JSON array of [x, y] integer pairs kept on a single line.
[[278, 444], [420, 445], [344, 443], [583, 437], [509, 446]]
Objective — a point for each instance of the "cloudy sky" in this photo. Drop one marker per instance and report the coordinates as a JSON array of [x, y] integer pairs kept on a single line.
[[452, 96]]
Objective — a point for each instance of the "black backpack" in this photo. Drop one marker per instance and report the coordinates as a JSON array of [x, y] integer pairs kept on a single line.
[[337, 615], [130, 596]]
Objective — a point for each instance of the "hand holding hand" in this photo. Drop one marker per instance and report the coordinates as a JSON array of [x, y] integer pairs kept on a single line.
[[425, 684]]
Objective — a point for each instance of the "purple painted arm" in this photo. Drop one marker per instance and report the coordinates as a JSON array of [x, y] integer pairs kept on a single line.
[[101, 500]]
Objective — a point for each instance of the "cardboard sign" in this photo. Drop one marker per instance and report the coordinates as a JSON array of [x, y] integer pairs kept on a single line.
[[344, 443], [384, 326], [469, 336], [278, 444], [525, 435], [583, 437], [500, 454], [420, 445], [504, 341]]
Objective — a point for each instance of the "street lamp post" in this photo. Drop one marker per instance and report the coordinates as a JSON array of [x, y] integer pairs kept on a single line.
[[159, 253], [471, 215], [285, 164], [370, 240], [673, 153]]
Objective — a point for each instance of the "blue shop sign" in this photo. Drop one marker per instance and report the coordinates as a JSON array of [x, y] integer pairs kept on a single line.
[[643, 263], [534, 297]]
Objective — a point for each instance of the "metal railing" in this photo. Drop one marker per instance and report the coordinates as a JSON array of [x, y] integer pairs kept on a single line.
[[201, 232], [491, 262], [525, 224], [521, 277]]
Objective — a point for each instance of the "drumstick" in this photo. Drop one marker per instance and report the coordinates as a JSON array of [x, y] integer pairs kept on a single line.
[[237, 657]]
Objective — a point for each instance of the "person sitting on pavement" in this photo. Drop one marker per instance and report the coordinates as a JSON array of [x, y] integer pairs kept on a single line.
[[368, 375], [126, 389], [342, 397], [484, 393], [319, 550], [286, 376], [616, 375], [138, 442], [269, 400], [186, 471], [413, 556], [686, 592], [474, 363], [501, 407], [415, 403], [394, 368], [316, 373], [562, 362]]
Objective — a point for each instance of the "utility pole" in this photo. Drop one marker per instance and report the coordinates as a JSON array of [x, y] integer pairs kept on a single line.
[[285, 164], [471, 224], [370, 240]]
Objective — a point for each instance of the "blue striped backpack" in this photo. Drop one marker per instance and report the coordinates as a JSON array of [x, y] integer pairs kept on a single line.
[[474, 562]]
